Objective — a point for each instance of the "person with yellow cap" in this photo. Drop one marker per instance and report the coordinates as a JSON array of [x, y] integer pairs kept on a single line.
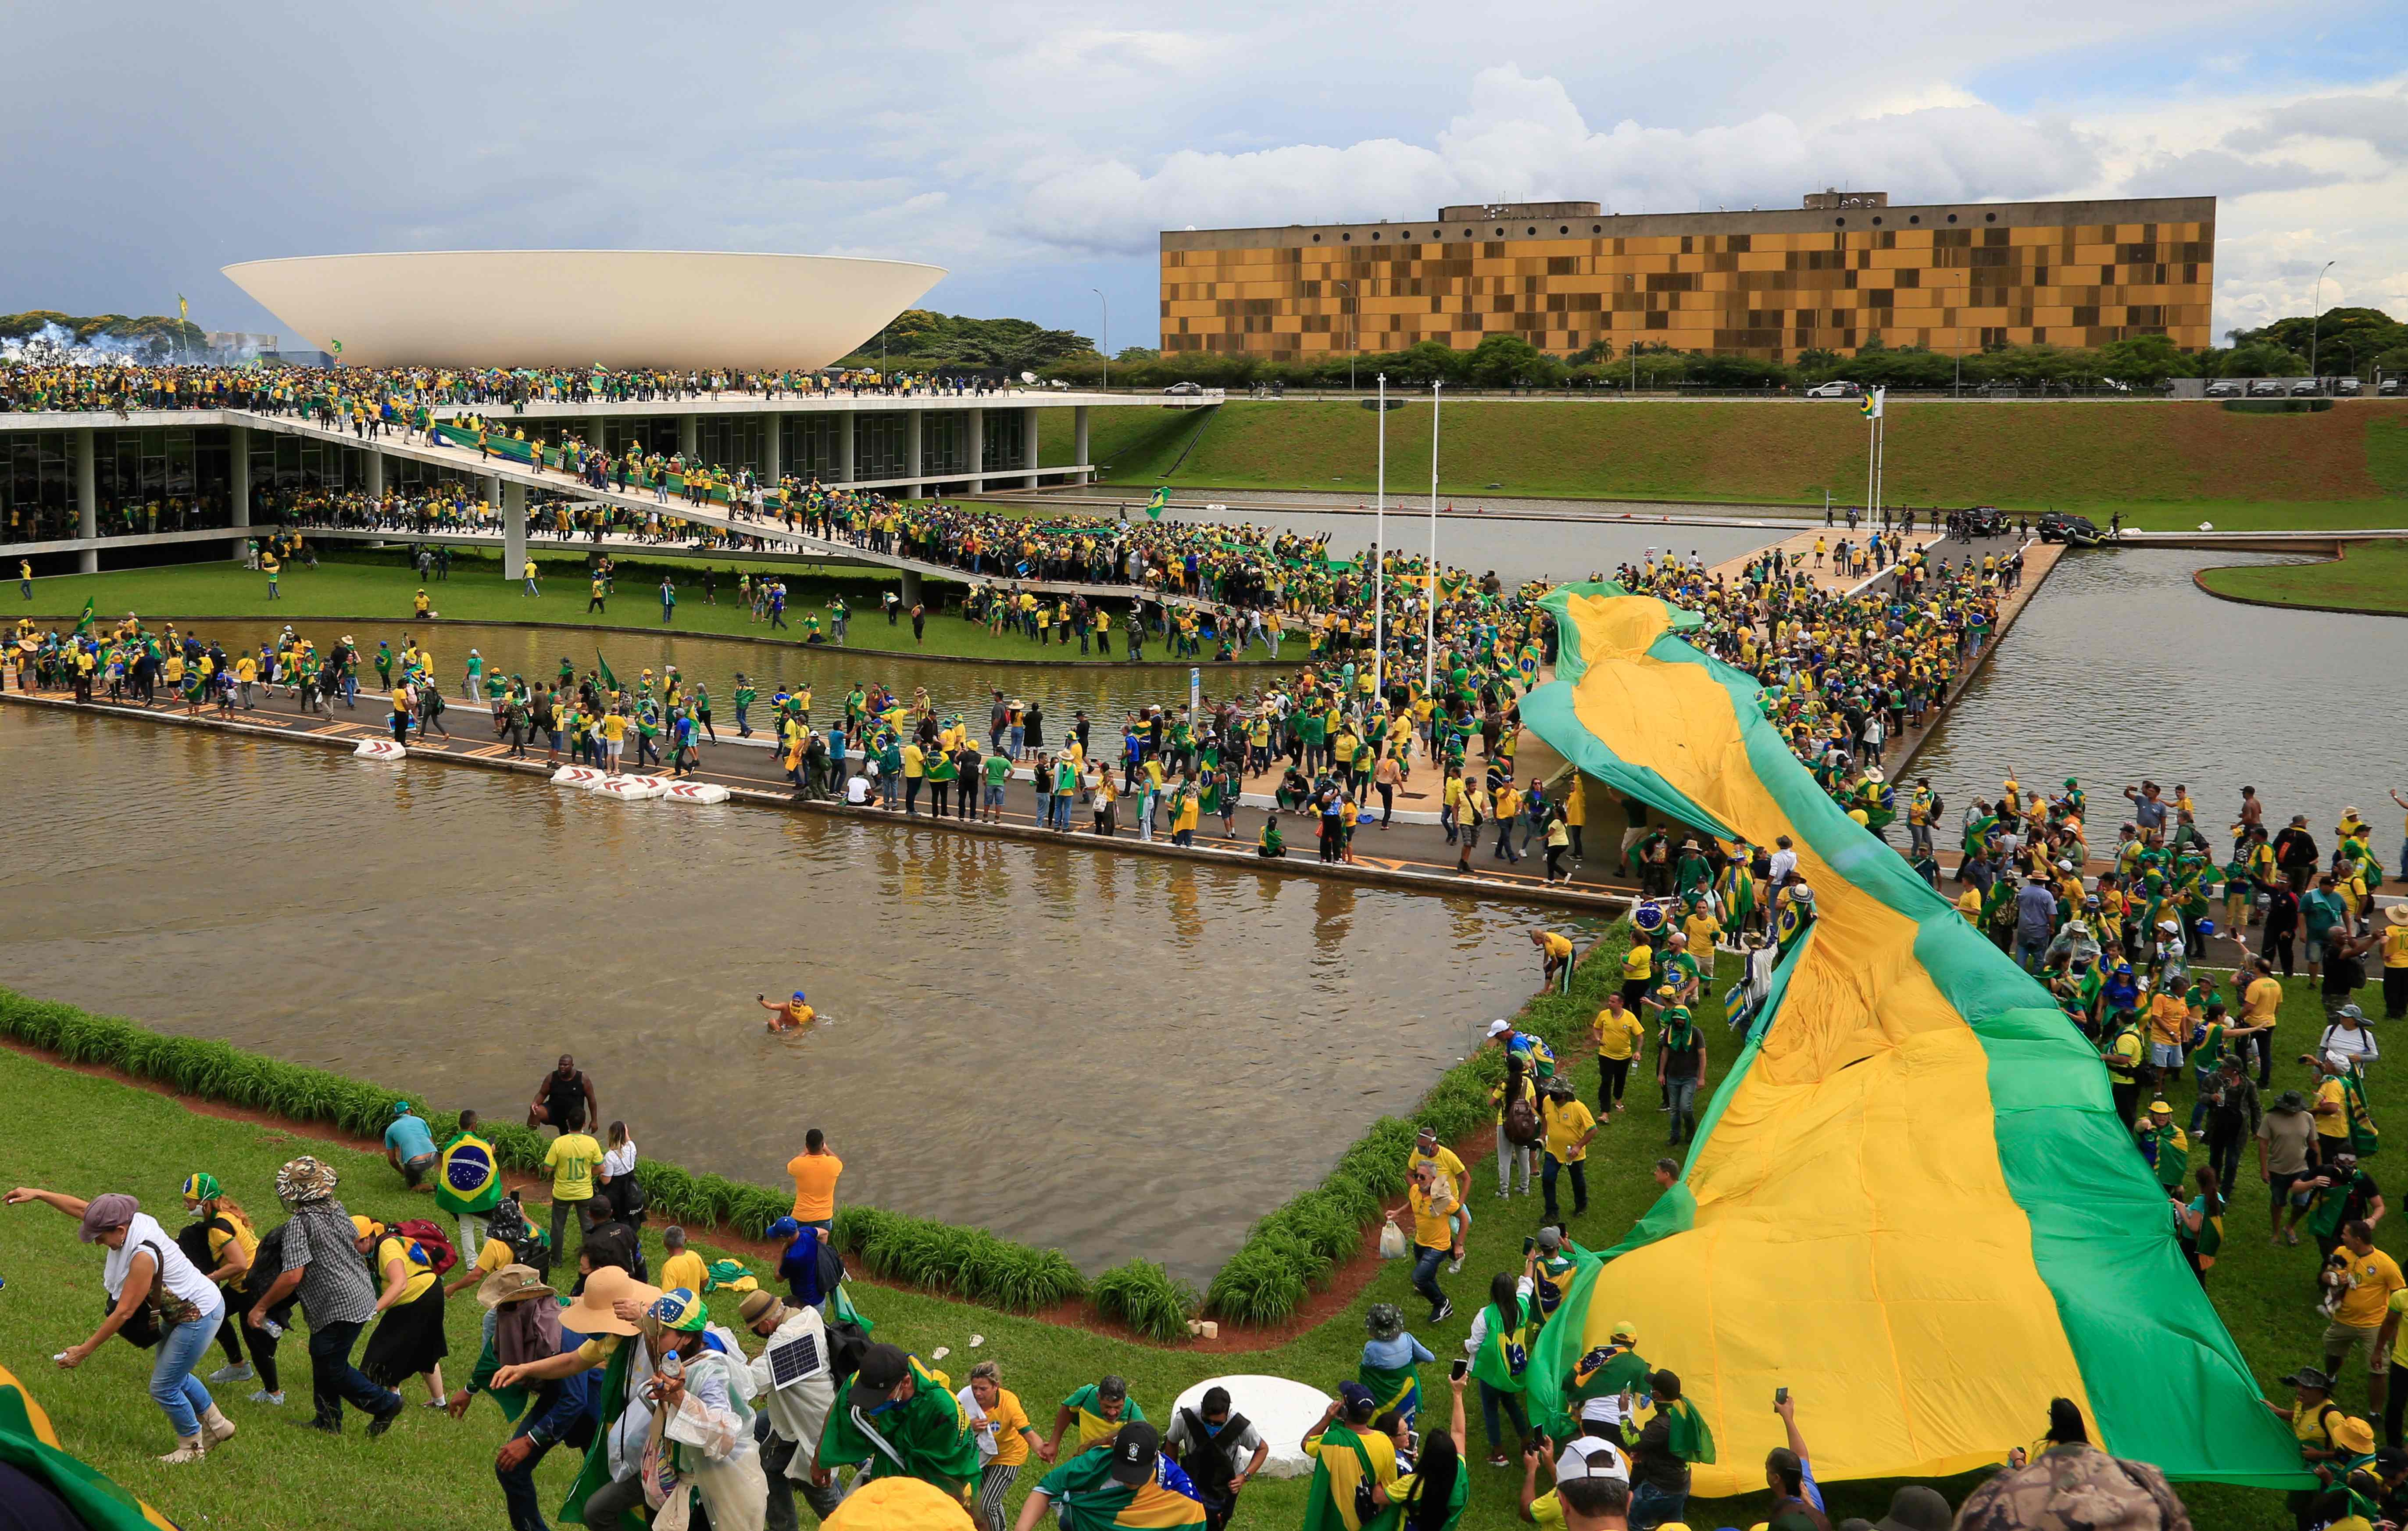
[[408, 1340]]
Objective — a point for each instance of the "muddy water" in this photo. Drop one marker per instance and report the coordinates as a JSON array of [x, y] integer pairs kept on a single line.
[[2122, 668], [1114, 1055]]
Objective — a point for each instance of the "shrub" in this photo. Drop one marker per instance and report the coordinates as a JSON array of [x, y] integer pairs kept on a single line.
[[1142, 1295], [1262, 1282]]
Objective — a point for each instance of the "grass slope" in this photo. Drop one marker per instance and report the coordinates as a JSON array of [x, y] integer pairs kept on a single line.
[[83, 1135], [2340, 463], [2373, 578], [477, 592]]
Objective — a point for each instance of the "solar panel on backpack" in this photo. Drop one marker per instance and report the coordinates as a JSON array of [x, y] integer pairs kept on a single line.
[[795, 1360]]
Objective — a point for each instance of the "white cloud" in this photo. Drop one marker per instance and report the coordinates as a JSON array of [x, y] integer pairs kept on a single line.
[[2214, 172]]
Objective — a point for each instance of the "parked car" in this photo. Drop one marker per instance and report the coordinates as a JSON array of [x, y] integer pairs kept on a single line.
[[1835, 389], [2223, 387], [2388, 388], [2347, 388], [2266, 388], [1184, 389], [1986, 521], [2306, 388], [2066, 527]]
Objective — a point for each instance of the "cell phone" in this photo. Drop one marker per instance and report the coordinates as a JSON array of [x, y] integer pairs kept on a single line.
[[1780, 1396], [1530, 1242], [1457, 1372]]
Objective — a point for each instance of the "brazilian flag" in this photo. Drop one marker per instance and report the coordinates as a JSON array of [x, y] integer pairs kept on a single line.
[[1157, 503], [83, 623], [1089, 1499], [1342, 1462], [2026, 1244], [1393, 1387], [467, 1179], [28, 1444]]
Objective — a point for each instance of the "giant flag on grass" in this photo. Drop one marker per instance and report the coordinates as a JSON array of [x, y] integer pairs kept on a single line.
[[1911, 1199]]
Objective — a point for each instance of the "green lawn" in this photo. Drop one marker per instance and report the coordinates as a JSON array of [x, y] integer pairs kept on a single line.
[[2373, 578], [477, 592], [83, 1135], [2165, 465]]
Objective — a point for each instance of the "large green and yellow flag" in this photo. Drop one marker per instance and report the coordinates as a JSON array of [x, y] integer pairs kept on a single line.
[[83, 623], [1088, 1497], [1157, 502], [28, 1444], [1911, 1199], [609, 681]]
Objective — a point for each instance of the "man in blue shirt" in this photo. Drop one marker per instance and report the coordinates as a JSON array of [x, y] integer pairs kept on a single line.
[[409, 1147]]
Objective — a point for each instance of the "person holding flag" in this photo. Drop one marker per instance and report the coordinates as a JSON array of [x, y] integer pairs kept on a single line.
[[1349, 1455], [903, 1420], [1157, 502], [1663, 1451]]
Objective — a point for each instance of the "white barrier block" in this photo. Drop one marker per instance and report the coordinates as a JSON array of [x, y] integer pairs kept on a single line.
[[697, 792], [584, 777], [380, 750], [633, 789]]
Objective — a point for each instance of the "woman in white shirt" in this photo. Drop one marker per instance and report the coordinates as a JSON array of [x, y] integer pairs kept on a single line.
[[619, 1158], [187, 1308]]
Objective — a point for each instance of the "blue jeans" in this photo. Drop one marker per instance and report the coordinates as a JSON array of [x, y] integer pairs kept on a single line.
[[173, 1386], [1062, 801], [518, 1485], [1651, 1506], [1045, 810], [2029, 949], [1681, 1095], [1425, 1263], [334, 1382], [1547, 1173], [1490, 1402]]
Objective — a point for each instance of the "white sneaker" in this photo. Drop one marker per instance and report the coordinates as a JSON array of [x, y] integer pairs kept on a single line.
[[188, 1448], [263, 1396], [239, 1372]]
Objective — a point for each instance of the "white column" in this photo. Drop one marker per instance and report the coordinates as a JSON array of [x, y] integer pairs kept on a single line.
[[1028, 457], [844, 423], [772, 467], [513, 529], [911, 455], [1078, 453], [376, 474], [689, 435], [238, 484], [87, 502], [978, 449]]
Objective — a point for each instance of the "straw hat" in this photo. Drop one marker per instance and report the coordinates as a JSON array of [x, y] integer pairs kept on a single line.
[[2396, 914], [590, 1314]]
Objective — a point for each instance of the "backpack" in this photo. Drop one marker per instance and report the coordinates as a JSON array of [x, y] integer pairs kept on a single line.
[[431, 1246], [1521, 1122]]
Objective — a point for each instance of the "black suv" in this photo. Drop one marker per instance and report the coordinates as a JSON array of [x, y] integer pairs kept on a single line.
[[2066, 527]]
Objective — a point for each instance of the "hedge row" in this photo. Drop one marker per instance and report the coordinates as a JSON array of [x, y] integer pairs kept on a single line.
[[1315, 1232], [970, 1262]]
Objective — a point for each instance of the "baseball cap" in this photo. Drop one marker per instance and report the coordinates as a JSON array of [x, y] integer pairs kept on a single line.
[[882, 1366], [1134, 1450], [1625, 1333], [1591, 1458], [102, 1213], [1498, 1029]]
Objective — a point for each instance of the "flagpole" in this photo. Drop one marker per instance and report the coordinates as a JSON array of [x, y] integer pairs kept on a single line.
[[1871, 425], [1429, 639], [1379, 556]]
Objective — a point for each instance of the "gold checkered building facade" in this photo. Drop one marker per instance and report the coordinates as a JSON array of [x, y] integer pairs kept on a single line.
[[1833, 275]]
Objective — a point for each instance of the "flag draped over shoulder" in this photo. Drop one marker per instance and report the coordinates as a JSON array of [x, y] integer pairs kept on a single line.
[[467, 1182], [1341, 1462], [1090, 1499]]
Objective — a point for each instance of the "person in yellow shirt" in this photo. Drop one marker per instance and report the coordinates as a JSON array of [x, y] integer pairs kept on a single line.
[[408, 1340], [1621, 1040], [572, 1158], [1568, 1126], [1554, 956], [1507, 804], [1428, 1151], [1703, 930], [1432, 1203], [814, 1172], [681, 1267], [2394, 962], [2259, 1000], [614, 737], [2364, 1310], [1637, 970]]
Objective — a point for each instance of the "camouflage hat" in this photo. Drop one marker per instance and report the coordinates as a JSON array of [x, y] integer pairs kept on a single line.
[[2074, 1487]]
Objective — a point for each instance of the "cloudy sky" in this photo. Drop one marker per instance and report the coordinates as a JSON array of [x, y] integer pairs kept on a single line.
[[1036, 149]]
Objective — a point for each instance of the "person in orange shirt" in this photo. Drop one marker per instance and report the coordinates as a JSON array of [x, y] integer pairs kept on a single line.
[[816, 1171]]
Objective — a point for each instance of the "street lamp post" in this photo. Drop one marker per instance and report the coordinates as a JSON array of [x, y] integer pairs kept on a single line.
[[2315, 322], [1104, 346]]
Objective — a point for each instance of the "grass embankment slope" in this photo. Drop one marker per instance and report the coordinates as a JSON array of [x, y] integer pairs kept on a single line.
[[2373, 579], [478, 592], [2162, 465], [76, 1133]]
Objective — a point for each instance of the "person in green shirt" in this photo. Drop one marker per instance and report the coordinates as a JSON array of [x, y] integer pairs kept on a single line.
[[1098, 1409], [746, 695], [996, 769], [1272, 845]]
